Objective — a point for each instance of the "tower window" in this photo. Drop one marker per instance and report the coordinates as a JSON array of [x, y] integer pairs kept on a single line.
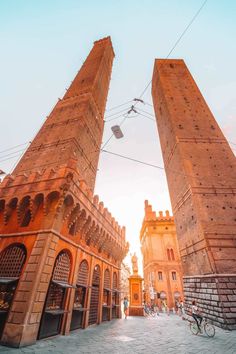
[[174, 277]]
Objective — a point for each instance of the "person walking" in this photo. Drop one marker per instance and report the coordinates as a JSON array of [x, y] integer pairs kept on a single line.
[[126, 305]]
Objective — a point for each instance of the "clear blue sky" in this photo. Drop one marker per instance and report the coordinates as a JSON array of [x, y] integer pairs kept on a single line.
[[43, 44]]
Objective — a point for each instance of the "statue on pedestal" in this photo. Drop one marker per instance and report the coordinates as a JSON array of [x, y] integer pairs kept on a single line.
[[134, 260]]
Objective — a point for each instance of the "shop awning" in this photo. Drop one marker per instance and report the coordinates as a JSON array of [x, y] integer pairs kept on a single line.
[[8, 280], [107, 289], [116, 291], [63, 284], [81, 285]]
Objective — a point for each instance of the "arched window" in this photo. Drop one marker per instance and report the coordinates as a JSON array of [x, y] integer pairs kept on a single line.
[[83, 273], [172, 254], [168, 254], [80, 296], [115, 281], [107, 279], [62, 267], [174, 276], [12, 260]]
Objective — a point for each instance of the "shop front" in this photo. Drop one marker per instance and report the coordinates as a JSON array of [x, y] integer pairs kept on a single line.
[[106, 304], [12, 260], [80, 299], [54, 308], [94, 301]]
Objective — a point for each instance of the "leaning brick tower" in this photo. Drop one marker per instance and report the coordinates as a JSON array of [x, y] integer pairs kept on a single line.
[[60, 248], [201, 175]]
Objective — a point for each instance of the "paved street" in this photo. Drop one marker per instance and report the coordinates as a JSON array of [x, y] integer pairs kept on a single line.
[[135, 335]]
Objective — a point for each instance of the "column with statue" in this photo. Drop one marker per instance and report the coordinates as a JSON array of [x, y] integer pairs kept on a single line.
[[135, 290]]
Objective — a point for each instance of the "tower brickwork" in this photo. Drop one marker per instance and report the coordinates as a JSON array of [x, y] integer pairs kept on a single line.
[[74, 128], [162, 268], [60, 248], [200, 169]]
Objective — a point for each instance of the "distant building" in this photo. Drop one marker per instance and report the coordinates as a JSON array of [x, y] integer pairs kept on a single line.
[[161, 260], [124, 280]]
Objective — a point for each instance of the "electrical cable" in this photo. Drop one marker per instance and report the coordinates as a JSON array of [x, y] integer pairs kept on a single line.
[[142, 110], [14, 147], [114, 114], [151, 165], [177, 42], [120, 105]]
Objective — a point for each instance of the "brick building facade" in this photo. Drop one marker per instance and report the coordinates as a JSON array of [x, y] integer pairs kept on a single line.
[[60, 248], [162, 268], [201, 174]]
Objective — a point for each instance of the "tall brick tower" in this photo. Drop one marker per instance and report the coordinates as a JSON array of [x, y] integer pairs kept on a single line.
[[201, 175], [74, 128], [60, 249]]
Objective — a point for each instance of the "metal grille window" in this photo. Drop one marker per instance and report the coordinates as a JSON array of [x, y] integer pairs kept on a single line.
[[83, 273], [62, 267], [96, 276], [115, 281], [12, 260], [107, 279]]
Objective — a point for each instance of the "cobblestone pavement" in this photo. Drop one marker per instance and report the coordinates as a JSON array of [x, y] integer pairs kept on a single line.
[[164, 335]]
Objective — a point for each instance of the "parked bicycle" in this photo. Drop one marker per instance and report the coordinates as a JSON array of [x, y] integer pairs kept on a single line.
[[205, 326], [149, 311]]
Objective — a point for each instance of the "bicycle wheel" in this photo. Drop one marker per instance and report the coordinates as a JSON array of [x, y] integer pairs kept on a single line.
[[209, 330], [194, 328]]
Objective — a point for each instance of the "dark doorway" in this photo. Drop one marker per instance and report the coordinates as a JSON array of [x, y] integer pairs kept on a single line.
[[55, 302], [80, 299]]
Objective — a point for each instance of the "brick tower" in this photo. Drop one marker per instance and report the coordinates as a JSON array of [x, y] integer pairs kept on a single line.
[[201, 175], [60, 249]]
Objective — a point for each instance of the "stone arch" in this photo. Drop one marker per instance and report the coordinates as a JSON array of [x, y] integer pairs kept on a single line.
[[51, 202], [72, 219], [2, 208], [37, 204], [10, 207], [163, 295], [24, 212], [68, 205], [90, 231]]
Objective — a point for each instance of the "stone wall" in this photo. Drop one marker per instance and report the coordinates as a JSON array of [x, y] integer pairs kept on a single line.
[[216, 296]]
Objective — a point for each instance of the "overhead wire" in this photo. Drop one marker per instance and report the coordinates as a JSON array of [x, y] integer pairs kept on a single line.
[[120, 105], [177, 42]]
